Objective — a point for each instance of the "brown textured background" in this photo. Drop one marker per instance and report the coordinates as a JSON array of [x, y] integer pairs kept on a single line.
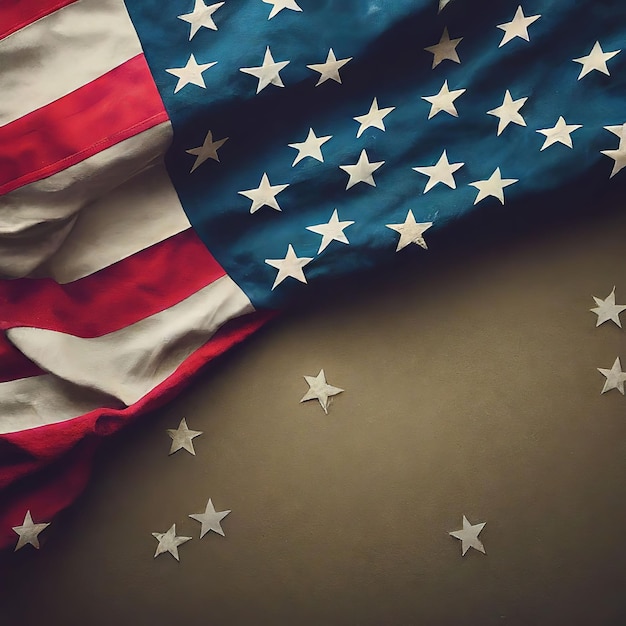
[[471, 388]]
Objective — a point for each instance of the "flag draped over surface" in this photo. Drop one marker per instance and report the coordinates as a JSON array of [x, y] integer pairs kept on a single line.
[[171, 174]]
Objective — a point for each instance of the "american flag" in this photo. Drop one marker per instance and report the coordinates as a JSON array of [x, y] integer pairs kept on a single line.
[[173, 173]]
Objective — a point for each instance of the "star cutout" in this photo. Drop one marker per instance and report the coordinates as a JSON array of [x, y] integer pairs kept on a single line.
[[493, 186], [508, 112], [320, 390], [210, 519], [310, 147], [469, 536], [264, 195], [410, 232], [595, 60], [330, 69], [200, 17], [208, 150], [559, 133], [361, 171], [169, 542], [28, 532], [445, 49], [608, 310], [279, 5], [182, 437], [517, 27], [331, 231], [289, 267], [268, 73], [373, 118], [441, 172], [191, 74], [615, 378], [443, 101]]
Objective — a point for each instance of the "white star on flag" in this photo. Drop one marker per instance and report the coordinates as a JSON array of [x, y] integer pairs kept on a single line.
[[443, 101], [268, 73], [210, 519], [320, 390], [508, 112], [169, 542], [182, 437], [264, 195], [493, 186], [441, 172], [410, 232], [595, 60], [289, 267], [208, 150], [329, 70], [28, 532], [200, 17], [361, 171], [331, 231], [373, 118], [310, 147], [191, 74], [445, 49], [615, 378], [279, 5], [517, 27], [559, 133], [607, 309], [443, 4], [468, 536]]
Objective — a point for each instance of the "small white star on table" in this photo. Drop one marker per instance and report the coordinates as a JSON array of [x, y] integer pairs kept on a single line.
[[493, 186], [289, 267], [445, 49], [329, 70], [200, 17], [508, 112], [264, 195], [169, 542], [517, 27], [595, 61], [619, 155], [608, 310], [208, 150], [182, 437], [441, 172], [28, 532], [443, 101], [559, 133], [191, 74], [268, 73], [320, 390], [373, 118], [279, 5], [361, 171], [210, 519], [331, 231], [615, 378], [410, 232], [310, 147], [468, 536]]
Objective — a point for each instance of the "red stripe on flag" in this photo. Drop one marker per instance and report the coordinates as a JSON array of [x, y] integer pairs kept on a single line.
[[119, 295], [13, 364], [79, 125], [15, 14]]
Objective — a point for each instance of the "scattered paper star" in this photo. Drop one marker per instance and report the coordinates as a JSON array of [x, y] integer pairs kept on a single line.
[[330, 69], [493, 186], [182, 437], [615, 378], [264, 195], [310, 147], [445, 49], [517, 27], [373, 118], [208, 150], [331, 231], [410, 232], [361, 171], [320, 390], [191, 74], [289, 267], [279, 5], [441, 172], [28, 532], [619, 155], [508, 112], [444, 100], [200, 17], [608, 310], [210, 519], [268, 73], [469, 536], [559, 133], [169, 542], [595, 60]]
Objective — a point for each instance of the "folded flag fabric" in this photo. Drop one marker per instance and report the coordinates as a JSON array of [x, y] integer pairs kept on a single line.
[[173, 174]]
